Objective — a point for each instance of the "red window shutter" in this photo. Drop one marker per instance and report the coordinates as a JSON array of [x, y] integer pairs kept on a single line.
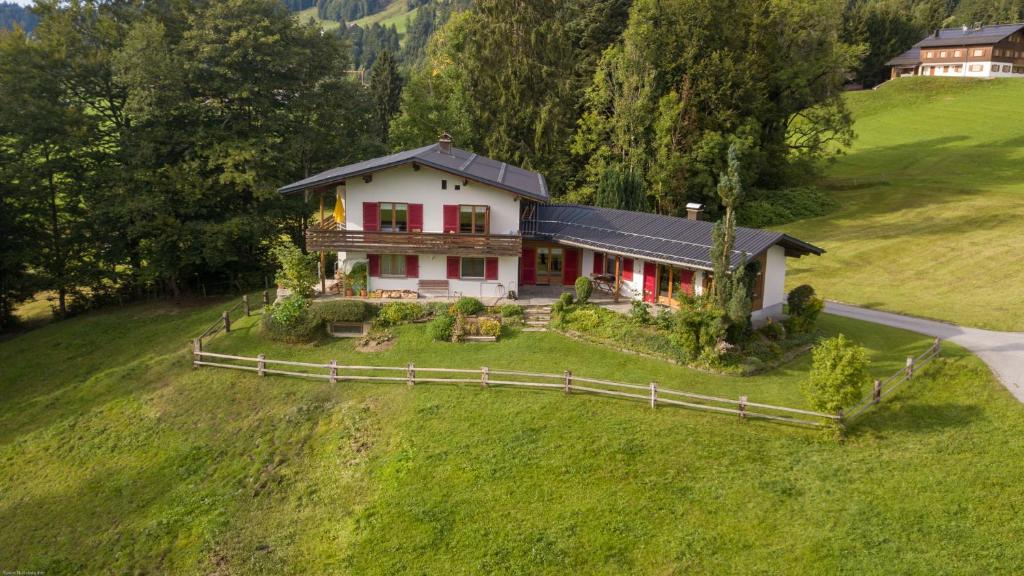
[[451, 218], [686, 282], [571, 266], [415, 217], [528, 266], [412, 266], [598, 263], [453, 268], [650, 281], [374, 265], [491, 269], [371, 216], [627, 269]]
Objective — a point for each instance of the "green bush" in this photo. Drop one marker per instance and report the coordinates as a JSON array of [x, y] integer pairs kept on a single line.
[[584, 288], [511, 310], [357, 276], [665, 319], [438, 308], [639, 313], [805, 321], [395, 313], [291, 320], [566, 299], [839, 372], [765, 208], [440, 328], [584, 319], [799, 297], [344, 310], [772, 330], [699, 330], [469, 306], [298, 271], [489, 327]]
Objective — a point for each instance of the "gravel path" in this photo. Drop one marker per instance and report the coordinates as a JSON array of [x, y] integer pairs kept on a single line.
[[1002, 351]]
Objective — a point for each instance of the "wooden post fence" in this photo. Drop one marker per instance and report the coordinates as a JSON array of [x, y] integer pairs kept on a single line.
[[568, 381], [266, 298], [410, 374], [654, 395], [485, 374], [227, 321], [910, 367], [245, 304], [876, 394], [261, 365], [197, 351], [334, 371], [743, 407]]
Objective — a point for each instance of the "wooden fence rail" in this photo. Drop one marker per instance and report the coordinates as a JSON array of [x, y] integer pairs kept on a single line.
[[567, 382], [885, 388]]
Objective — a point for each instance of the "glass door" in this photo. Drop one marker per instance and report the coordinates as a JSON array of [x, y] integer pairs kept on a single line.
[[549, 265]]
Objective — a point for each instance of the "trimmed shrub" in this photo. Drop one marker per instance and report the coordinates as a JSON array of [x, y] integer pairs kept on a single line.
[[805, 321], [566, 299], [583, 319], [511, 310], [584, 288], [344, 310], [441, 328], [839, 372], [799, 297], [469, 306], [395, 313], [291, 320], [357, 276]]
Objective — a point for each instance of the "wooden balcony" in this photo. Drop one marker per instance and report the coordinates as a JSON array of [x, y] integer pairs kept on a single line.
[[333, 240]]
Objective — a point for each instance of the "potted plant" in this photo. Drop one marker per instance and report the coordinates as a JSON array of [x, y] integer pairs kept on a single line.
[[357, 276]]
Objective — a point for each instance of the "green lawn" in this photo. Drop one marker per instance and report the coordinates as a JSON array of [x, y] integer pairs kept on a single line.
[[396, 13], [932, 196], [312, 13], [118, 457]]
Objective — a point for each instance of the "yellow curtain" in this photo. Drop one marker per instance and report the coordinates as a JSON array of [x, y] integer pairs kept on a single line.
[[339, 207]]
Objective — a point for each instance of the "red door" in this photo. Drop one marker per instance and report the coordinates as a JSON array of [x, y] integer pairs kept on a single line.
[[571, 266], [650, 281], [528, 267], [686, 281]]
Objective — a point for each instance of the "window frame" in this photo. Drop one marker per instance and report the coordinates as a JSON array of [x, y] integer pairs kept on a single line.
[[462, 268], [473, 219], [391, 259], [394, 221]]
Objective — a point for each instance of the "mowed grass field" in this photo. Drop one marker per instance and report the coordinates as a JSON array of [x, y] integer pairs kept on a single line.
[[117, 457], [932, 204]]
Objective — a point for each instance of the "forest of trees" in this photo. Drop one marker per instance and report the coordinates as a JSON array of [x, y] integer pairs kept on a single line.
[[141, 143]]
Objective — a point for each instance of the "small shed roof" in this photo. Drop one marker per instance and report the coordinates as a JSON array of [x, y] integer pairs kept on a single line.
[[655, 237], [458, 162], [911, 57]]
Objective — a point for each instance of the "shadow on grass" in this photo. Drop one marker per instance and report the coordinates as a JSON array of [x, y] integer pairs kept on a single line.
[[916, 418]]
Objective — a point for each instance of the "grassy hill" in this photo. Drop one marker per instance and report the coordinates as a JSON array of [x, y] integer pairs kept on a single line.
[[396, 13], [932, 196], [118, 457]]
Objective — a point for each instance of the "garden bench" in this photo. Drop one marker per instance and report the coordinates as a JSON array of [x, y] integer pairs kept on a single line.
[[436, 287]]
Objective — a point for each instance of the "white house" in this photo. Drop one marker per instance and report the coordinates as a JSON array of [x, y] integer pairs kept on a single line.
[[441, 220], [967, 52]]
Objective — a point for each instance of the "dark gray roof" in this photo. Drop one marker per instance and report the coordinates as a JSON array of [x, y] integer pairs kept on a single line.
[[970, 37], [653, 236], [459, 162], [911, 57]]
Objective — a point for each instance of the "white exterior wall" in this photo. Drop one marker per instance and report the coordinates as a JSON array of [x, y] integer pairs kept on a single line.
[[774, 286], [404, 185], [966, 72]]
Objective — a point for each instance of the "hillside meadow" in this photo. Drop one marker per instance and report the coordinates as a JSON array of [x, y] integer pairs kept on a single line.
[[117, 456], [931, 217]]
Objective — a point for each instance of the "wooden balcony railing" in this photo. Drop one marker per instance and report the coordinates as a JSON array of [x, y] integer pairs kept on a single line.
[[334, 240]]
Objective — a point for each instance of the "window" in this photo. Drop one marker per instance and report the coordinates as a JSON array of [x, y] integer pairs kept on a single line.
[[392, 265], [1006, 69], [997, 52], [976, 68], [958, 68], [473, 219], [930, 55], [995, 67], [957, 53], [979, 52], [942, 54], [472, 268], [394, 217], [945, 69], [444, 184]]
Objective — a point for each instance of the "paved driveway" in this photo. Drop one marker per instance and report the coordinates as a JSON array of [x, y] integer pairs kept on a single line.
[[1002, 351]]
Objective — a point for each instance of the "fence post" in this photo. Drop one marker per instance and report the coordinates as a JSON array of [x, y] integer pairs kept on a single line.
[[485, 376], [197, 351], [266, 298], [227, 321], [839, 422], [568, 381], [410, 374], [876, 395], [245, 303], [938, 346], [334, 371], [261, 365], [654, 395], [910, 367], [743, 407]]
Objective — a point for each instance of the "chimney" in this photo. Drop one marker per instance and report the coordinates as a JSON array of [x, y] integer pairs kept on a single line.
[[938, 32], [444, 144], [694, 211]]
